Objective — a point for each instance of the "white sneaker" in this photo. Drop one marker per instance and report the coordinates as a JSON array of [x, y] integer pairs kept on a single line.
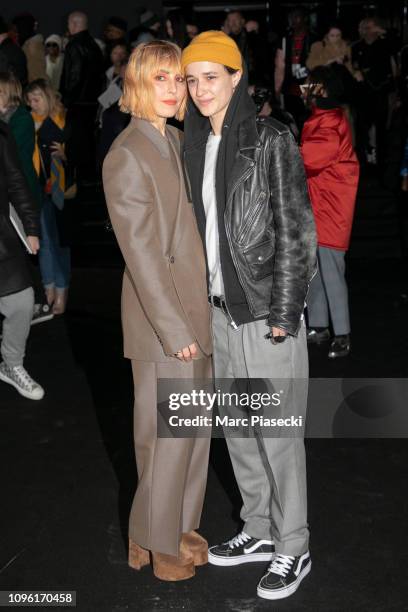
[[20, 379]]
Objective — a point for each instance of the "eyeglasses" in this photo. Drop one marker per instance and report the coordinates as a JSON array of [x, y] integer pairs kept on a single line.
[[51, 44]]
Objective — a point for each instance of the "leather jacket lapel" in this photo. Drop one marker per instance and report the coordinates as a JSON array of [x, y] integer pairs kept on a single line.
[[245, 162]]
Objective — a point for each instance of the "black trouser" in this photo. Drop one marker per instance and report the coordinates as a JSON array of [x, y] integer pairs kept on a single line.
[[372, 109], [81, 145]]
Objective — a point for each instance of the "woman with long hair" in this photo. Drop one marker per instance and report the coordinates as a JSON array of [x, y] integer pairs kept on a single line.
[[14, 112], [49, 158], [332, 49], [165, 310]]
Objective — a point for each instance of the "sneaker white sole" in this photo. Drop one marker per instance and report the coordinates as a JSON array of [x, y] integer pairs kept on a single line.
[[249, 558], [25, 394], [42, 319], [287, 591]]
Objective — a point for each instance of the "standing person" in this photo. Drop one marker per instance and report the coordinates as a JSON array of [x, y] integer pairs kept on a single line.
[[81, 84], [235, 28], [254, 216], [176, 28], [332, 173], [118, 55], [291, 70], [375, 70], [332, 49], [115, 32], [12, 58], [32, 43], [49, 158], [148, 30], [165, 313], [16, 293], [54, 60], [14, 112]]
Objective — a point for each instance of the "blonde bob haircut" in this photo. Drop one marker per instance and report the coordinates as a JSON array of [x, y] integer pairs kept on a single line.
[[145, 62]]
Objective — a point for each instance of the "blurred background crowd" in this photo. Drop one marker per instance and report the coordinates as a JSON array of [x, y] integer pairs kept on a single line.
[[59, 94]]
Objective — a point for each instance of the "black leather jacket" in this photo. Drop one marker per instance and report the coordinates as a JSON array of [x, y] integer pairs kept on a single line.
[[14, 273], [82, 75], [268, 221]]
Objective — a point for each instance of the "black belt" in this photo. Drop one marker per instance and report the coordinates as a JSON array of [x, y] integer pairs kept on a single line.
[[219, 302]]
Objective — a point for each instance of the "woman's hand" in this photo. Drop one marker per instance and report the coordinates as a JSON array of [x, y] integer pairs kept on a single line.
[[58, 150], [188, 353], [34, 243]]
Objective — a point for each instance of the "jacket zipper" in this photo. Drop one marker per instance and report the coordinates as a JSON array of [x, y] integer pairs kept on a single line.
[[227, 231], [251, 217]]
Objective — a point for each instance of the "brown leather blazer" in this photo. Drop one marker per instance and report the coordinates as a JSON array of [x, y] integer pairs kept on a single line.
[[164, 294]]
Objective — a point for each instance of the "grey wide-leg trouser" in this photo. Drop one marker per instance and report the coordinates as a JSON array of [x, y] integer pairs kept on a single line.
[[270, 472], [328, 293], [17, 309]]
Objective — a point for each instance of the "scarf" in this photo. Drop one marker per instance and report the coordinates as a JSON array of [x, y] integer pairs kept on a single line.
[[57, 170]]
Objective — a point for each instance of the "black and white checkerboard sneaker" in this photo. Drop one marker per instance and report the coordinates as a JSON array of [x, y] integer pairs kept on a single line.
[[284, 576], [241, 549]]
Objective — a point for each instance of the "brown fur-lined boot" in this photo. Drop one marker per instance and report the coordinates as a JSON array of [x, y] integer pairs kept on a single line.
[[168, 567], [138, 556], [196, 545]]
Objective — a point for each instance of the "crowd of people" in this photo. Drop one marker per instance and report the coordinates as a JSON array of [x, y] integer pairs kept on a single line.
[[60, 97], [275, 132]]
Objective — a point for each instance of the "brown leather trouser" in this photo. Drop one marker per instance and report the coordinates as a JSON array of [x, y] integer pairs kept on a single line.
[[172, 472]]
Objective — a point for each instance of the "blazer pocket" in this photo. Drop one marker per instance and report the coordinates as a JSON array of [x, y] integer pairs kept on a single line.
[[260, 259]]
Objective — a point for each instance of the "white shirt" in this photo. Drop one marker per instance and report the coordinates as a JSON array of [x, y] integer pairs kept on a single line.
[[212, 241]]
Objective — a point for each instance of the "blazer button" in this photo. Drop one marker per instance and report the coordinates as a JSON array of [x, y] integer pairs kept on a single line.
[[172, 259], [260, 258]]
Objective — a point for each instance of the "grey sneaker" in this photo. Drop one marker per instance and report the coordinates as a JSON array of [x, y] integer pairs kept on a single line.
[[20, 379], [42, 313]]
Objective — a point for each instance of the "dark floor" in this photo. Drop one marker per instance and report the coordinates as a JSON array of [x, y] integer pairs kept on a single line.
[[67, 463]]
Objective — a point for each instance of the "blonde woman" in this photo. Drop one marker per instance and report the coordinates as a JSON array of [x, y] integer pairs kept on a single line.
[[14, 112], [165, 311], [49, 158]]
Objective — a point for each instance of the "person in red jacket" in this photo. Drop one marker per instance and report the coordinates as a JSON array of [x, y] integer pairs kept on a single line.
[[332, 171]]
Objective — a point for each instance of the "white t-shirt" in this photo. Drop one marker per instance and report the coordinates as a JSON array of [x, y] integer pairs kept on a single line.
[[212, 241]]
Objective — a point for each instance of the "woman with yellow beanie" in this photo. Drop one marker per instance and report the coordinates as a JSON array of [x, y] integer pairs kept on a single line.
[[254, 216]]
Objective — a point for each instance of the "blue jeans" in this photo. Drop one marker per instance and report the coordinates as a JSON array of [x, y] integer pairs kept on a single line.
[[55, 260]]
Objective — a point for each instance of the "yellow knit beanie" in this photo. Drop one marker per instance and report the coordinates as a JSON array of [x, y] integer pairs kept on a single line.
[[212, 46]]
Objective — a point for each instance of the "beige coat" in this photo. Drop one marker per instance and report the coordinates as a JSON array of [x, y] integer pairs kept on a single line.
[[35, 53], [164, 296], [322, 52]]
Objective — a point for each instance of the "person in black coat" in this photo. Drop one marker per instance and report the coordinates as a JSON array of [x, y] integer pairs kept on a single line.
[[12, 57], [81, 83], [16, 292]]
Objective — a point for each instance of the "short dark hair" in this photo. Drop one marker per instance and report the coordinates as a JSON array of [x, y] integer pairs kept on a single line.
[[330, 79]]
